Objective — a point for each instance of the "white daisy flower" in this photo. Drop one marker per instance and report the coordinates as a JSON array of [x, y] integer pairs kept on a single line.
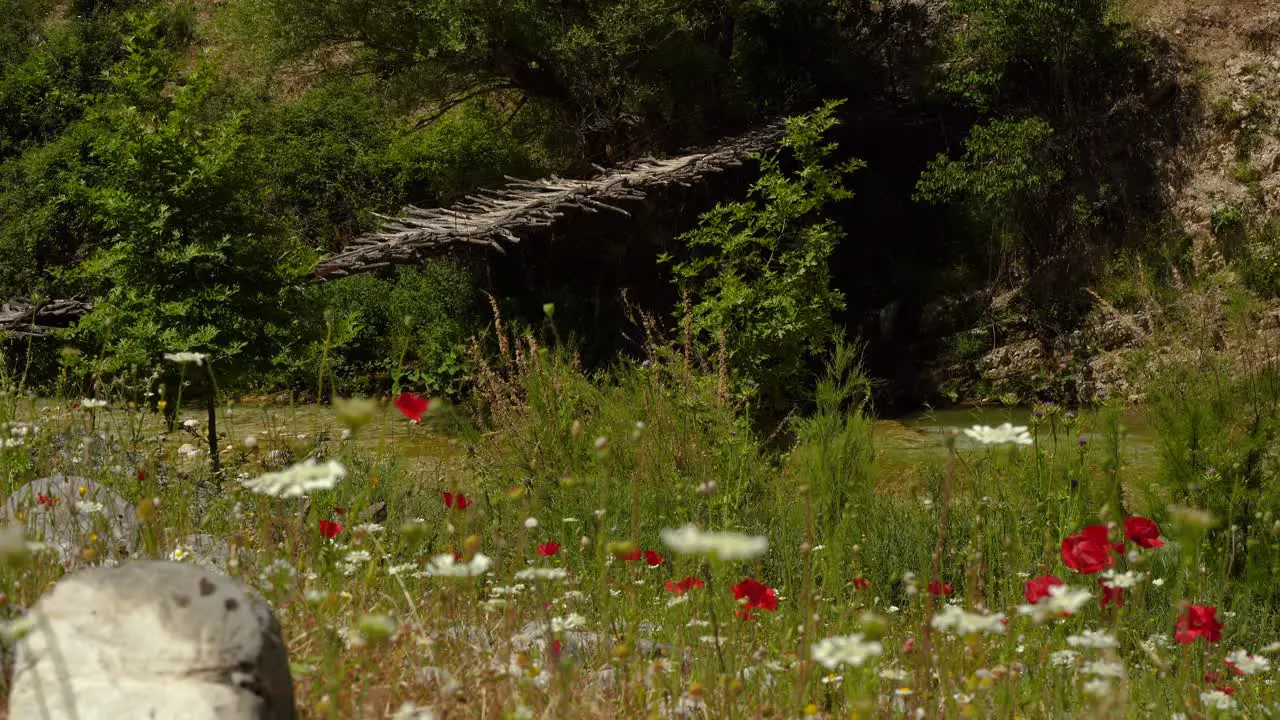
[[1006, 434], [840, 650], [445, 565], [304, 477], [186, 357], [689, 540]]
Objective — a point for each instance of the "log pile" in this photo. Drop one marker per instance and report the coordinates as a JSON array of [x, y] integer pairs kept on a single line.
[[22, 317]]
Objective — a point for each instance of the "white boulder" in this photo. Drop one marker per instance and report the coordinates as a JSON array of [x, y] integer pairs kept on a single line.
[[151, 639]]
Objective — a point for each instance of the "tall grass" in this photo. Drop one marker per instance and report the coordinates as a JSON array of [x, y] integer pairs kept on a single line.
[[600, 463]]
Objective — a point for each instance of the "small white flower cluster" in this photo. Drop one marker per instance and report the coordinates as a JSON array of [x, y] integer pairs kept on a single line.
[[1061, 601], [446, 565], [572, 621], [958, 621], [1113, 579], [689, 540], [304, 477], [1006, 434], [183, 358], [542, 574], [840, 650], [1248, 664], [1095, 639]]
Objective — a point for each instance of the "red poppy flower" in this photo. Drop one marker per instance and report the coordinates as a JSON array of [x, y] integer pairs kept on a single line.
[[939, 588], [1212, 677], [1111, 594], [1143, 532], [1039, 588], [330, 529], [861, 583], [457, 502], [628, 555], [142, 475], [42, 499], [1198, 621], [556, 647], [339, 511], [653, 558], [548, 549], [909, 646], [752, 594], [412, 405], [1233, 667], [1089, 550], [684, 586]]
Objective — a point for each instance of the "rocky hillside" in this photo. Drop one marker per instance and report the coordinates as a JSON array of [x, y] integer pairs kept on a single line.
[[1224, 198], [1233, 154]]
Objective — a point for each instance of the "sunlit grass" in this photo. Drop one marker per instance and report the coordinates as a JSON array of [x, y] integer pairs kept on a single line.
[[587, 610]]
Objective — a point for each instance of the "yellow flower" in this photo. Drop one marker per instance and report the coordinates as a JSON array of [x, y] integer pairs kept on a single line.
[[83, 490], [162, 404]]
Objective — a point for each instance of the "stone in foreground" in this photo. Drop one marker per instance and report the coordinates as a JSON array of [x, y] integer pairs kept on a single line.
[[151, 639]]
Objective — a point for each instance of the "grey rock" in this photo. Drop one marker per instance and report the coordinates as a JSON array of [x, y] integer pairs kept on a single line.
[[206, 550], [62, 523], [153, 639], [573, 643], [477, 637]]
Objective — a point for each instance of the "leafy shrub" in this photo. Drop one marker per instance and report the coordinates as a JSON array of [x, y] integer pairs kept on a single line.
[[758, 275], [1259, 264], [186, 263], [1219, 430]]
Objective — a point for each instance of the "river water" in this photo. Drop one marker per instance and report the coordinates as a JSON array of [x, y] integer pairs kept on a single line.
[[920, 439]]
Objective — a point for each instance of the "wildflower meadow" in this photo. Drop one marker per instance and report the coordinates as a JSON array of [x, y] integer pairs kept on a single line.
[[626, 545]]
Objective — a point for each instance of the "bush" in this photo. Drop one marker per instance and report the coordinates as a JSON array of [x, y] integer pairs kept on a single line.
[[1218, 428], [185, 261], [759, 277]]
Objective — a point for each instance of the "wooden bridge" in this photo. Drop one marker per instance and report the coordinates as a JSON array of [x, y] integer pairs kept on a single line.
[[488, 218]]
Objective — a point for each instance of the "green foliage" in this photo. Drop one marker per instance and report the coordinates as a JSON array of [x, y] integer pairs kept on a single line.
[[1259, 263], [1042, 46], [1060, 169], [639, 441], [759, 274], [431, 311], [834, 454], [1218, 431], [324, 160], [1004, 174], [374, 334], [22, 19], [186, 265], [615, 75]]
